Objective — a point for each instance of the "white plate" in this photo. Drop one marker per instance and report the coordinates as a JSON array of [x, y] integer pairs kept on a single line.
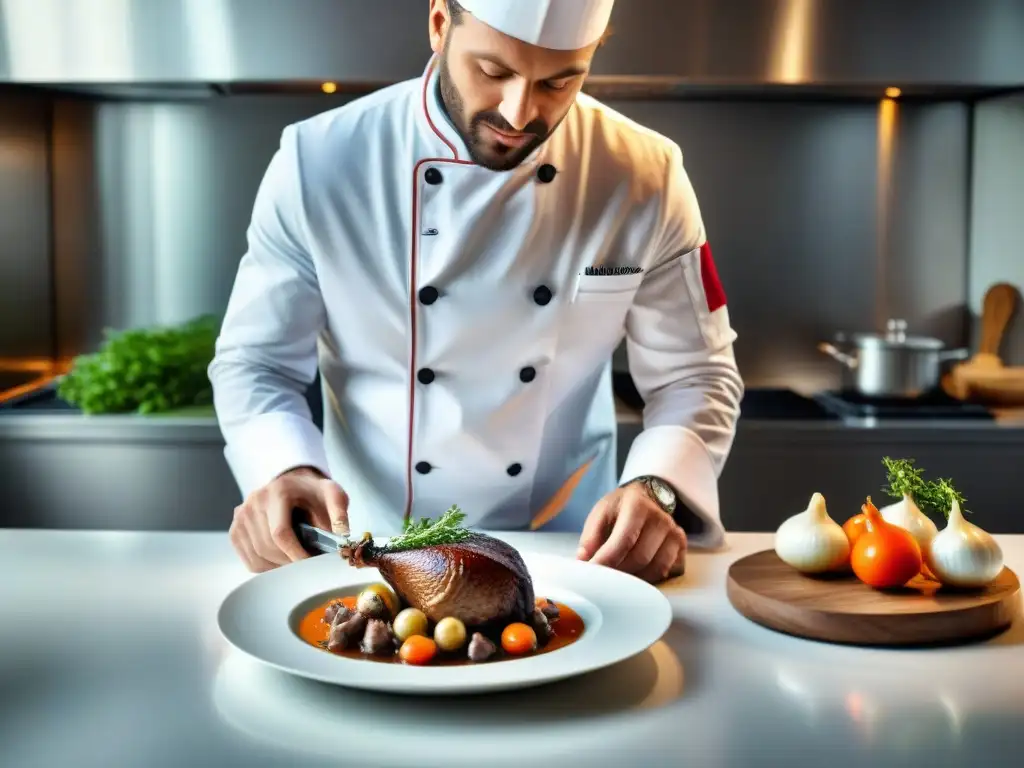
[[623, 616]]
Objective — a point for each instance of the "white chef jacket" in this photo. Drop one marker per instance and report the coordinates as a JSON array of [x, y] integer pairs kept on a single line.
[[463, 320]]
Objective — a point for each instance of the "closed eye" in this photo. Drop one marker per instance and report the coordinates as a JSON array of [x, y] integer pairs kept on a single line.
[[495, 75]]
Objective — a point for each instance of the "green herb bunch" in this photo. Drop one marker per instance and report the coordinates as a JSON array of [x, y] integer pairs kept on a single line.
[[447, 529], [145, 370], [943, 494], [930, 496]]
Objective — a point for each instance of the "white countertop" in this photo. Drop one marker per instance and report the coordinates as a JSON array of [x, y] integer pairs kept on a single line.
[[110, 656]]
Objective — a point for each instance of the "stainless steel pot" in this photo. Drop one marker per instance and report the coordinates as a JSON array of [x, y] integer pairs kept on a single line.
[[891, 365]]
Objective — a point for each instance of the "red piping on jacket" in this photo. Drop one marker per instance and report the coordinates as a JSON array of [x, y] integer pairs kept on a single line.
[[426, 112], [714, 293], [413, 288]]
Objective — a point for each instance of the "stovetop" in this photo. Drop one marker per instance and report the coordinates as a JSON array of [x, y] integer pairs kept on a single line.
[[787, 405], [931, 405], [782, 404]]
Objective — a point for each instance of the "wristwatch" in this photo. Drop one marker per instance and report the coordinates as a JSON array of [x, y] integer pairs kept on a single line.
[[660, 491]]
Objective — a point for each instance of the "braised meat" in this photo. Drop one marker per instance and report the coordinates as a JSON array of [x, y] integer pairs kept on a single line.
[[347, 632], [479, 580], [549, 609], [480, 648], [541, 625], [378, 637], [336, 613]]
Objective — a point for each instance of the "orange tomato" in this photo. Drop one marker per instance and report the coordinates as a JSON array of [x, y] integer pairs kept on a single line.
[[885, 555], [518, 639], [855, 527], [418, 650]]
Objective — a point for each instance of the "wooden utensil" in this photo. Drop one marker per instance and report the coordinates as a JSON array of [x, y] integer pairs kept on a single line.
[[998, 309], [1001, 387], [999, 306], [842, 609]]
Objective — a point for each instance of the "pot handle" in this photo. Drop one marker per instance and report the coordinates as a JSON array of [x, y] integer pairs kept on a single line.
[[953, 354], [848, 360]]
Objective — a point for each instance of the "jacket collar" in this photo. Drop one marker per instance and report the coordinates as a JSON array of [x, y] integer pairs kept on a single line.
[[446, 142]]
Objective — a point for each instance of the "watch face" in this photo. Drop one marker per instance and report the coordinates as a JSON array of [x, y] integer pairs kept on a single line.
[[664, 493]]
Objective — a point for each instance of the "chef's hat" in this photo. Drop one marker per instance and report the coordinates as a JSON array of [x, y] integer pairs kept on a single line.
[[560, 24]]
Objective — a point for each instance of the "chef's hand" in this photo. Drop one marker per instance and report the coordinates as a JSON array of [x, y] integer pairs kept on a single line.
[[628, 531], [261, 531]]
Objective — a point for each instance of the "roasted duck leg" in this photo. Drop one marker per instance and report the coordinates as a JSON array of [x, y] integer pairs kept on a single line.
[[477, 579]]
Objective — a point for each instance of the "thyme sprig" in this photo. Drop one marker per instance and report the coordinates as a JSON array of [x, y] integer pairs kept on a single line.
[[943, 493], [447, 529], [905, 478]]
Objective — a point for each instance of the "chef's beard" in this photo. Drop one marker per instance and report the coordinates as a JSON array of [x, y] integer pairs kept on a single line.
[[488, 154]]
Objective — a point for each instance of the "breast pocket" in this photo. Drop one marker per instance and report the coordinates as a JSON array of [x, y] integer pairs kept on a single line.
[[606, 288], [590, 327], [594, 321]]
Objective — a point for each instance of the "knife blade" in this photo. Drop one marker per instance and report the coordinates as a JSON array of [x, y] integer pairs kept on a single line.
[[316, 541]]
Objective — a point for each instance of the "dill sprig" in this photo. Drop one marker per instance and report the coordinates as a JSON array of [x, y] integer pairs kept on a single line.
[[447, 529]]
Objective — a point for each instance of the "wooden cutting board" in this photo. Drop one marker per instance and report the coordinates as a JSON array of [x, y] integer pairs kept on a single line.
[[842, 609]]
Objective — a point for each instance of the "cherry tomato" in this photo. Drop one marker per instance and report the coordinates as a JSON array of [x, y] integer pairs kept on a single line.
[[884, 555], [418, 650], [518, 639]]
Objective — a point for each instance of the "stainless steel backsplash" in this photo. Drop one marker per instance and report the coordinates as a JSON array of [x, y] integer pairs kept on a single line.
[[821, 219], [822, 215], [660, 43], [26, 299], [152, 206], [997, 209]]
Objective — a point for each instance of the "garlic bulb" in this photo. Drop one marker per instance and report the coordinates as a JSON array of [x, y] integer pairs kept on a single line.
[[962, 554], [907, 515], [811, 541]]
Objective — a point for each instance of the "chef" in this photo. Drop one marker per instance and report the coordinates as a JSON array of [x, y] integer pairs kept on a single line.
[[459, 256]]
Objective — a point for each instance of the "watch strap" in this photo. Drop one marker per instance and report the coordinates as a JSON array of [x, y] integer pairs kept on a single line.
[[686, 518], [648, 482]]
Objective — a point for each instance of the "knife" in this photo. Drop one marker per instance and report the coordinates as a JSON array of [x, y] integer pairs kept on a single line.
[[316, 541]]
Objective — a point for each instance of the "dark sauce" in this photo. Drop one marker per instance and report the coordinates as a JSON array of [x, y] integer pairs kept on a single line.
[[566, 629]]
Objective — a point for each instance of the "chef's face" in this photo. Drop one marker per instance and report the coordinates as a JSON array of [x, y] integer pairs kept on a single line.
[[504, 96]]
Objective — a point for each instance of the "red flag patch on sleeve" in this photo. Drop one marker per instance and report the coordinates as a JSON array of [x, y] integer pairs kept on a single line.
[[714, 293]]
